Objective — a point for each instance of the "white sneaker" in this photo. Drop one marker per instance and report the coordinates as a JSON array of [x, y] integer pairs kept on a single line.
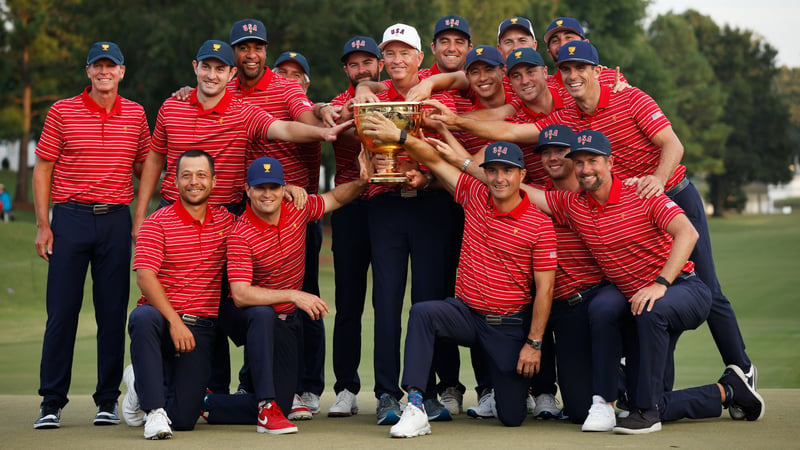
[[546, 407], [311, 400], [601, 416], [299, 410], [413, 423], [156, 425], [453, 400], [486, 407], [530, 403], [346, 405], [131, 410]]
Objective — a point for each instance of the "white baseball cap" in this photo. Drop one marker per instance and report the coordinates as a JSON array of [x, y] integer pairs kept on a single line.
[[401, 32]]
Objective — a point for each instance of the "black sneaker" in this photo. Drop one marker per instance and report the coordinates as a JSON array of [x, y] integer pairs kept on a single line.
[[388, 411], [640, 421], [744, 396], [436, 411], [752, 379], [49, 417], [106, 414]]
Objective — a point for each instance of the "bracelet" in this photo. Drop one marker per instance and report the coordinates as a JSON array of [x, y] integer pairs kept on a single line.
[[466, 164], [403, 137], [661, 280], [534, 343]]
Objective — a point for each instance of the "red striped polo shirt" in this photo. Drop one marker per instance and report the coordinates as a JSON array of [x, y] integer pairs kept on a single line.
[[347, 168], [500, 251], [577, 269], [391, 95], [94, 151], [224, 132], [471, 143], [533, 163], [626, 235], [629, 119], [463, 103], [187, 256], [270, 256], [284, 99], [606, 78]]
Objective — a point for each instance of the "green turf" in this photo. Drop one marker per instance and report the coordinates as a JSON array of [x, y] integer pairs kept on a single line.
[[756, 261]]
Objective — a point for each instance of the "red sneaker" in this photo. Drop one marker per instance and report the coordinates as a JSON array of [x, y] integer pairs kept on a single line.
[[271, 419]]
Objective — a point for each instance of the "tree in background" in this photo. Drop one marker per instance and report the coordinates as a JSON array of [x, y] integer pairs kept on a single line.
[[695, 104], [758, 147], [37, 46], [788, 85]]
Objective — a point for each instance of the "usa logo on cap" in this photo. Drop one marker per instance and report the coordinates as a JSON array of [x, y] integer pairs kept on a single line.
[[500, 150], [358, 44], [250, 28], [399, 31], [549, 134], [451, 22], [583, 139]]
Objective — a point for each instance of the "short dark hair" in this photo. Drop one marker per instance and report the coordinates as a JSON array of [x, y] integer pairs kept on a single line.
[[194, 154]]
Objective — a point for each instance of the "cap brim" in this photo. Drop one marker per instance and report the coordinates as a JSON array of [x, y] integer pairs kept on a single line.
[[260, 181], [587, 150], [116, 61], [583, 60], [249, 38], [551, 144]]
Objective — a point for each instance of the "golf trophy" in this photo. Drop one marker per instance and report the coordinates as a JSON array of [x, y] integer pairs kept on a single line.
[[406, 116]]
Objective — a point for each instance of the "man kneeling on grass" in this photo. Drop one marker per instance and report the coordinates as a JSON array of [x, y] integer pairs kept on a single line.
[[508, 246]]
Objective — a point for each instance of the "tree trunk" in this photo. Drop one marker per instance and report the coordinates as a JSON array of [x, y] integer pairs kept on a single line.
[[717, 195], [23, 174]]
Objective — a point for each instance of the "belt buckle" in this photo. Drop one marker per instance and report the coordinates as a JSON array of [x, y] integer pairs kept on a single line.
[[99, 209], [492, 319], [575, 299]]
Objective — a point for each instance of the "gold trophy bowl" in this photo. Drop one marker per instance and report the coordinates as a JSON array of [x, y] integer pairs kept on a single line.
[[406, 116]]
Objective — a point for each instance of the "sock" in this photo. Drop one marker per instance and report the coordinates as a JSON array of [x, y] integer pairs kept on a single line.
[[728, 395], [415, 398]]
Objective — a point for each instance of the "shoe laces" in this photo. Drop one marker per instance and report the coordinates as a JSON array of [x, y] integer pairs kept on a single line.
[[160, 413]]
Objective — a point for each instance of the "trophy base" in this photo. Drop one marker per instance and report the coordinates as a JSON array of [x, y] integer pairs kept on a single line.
[[389, 178]]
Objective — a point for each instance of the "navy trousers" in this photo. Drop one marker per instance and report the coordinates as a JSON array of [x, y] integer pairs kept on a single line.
[[721, 320], [271, 343], [351, 259], [452, 321], [685, 306], [573, 355], [166, 379], [401, 228], [312, 360], [81, 239], [609, 315]]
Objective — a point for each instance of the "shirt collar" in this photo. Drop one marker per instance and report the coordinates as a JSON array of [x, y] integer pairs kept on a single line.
[[515, 213], [259, 223], [187, 218], [435, 69], [220, 107], [90, 104], [262, 84], [602, 103], [613, 196]]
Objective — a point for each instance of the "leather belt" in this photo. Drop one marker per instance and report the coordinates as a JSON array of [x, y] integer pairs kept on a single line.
[[197, 321], [675, 190], [496, 319], [97, 209], [580, 296]]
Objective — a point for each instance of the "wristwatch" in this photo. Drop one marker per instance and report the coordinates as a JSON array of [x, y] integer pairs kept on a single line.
[[534, 343]]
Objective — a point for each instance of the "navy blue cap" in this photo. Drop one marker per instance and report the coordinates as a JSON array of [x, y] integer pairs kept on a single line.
[[215, 49], [108, 50], [486, 53], [265, 170], [452, 22], [504, 152], [590, 141], [247, 29], [564, 23], [360, 44], [521, 22], [581, 51], [296, 57], [557, 135], [523, 55]]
